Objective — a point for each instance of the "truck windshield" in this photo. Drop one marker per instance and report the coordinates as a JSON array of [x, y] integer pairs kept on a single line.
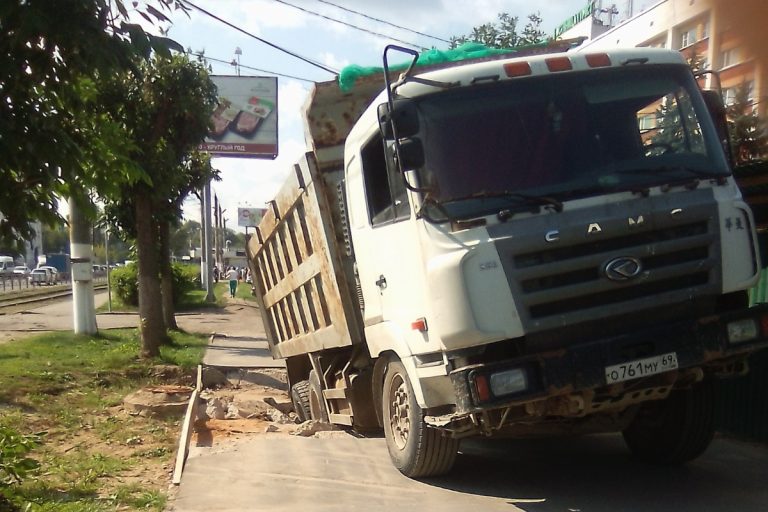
[[565, 136]]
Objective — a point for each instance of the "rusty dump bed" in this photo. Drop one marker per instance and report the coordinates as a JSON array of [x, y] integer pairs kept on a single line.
[[301, 272]]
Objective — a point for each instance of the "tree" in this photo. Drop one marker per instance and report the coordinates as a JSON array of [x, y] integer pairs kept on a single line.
[[49, 141], [749, 137], [503, 34], [164, 111], [185, 237]]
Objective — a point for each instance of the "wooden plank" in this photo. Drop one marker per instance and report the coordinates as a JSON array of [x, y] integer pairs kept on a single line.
[[186, 429], [303, 273]]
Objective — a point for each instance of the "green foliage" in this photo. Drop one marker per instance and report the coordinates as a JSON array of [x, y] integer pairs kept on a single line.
[[749, 136], [14, 463], [504, 33], [53, 137], [125, 282]]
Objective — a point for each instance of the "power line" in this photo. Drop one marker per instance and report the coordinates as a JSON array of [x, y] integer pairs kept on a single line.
[[382, 21], [350, 25], [204, 56], [293, 54]]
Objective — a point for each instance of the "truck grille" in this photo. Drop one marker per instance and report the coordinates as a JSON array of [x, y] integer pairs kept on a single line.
[[565, 283]]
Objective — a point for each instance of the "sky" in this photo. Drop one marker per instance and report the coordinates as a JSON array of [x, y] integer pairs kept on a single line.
[[252, 182]]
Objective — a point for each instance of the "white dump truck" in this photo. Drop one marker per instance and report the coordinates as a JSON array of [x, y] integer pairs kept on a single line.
[[528, 246]]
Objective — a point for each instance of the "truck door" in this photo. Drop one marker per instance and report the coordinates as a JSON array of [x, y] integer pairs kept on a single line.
[[383, 233]]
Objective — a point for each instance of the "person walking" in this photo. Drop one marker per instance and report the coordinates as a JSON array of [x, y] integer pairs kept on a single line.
[[232, 276]]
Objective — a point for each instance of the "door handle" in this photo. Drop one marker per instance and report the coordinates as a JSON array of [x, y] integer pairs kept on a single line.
[[382, 282]]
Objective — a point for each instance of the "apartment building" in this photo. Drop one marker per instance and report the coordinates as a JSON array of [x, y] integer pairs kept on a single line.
[[728, 35]]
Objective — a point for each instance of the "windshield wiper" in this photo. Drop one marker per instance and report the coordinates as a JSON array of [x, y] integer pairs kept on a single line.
[[524, 198], [668, 169]]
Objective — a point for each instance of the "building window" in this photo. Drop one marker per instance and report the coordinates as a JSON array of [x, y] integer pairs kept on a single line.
[[646, 121], [705, 30], [729, 95], [688, 37], [729, 57]]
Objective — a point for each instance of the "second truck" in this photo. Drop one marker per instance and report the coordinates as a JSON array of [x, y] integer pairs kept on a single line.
[[531, 246]]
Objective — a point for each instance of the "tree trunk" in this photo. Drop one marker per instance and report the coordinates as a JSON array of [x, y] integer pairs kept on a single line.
[[166, 275], [151, 324]]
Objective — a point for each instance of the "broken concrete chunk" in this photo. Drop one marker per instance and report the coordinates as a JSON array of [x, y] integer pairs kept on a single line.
[[271, 428], [311, 427]]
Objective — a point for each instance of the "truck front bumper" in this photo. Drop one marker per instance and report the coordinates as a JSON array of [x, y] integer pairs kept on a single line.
[[706, 342]]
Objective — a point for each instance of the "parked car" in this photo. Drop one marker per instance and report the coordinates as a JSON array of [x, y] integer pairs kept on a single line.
[[54, 272], [41, 276], [21, 270]]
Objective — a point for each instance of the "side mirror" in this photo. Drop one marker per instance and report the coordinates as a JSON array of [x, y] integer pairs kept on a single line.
[[404, 117], [717, 111], [410, 154]]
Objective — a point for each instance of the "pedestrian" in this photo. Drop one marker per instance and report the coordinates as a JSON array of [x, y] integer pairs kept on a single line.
[[232, 276]]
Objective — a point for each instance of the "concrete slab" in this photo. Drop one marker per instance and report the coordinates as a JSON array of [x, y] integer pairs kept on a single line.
[[283, 473], [240, 352]]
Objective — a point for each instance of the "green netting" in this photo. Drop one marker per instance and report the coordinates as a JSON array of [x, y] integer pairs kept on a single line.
[[351, 73]]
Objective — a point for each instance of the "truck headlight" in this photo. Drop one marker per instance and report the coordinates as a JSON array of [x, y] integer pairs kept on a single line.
[[509, 382], [740, 331]]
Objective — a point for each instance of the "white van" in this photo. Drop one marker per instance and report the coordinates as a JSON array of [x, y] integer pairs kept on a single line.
[[6, 265]]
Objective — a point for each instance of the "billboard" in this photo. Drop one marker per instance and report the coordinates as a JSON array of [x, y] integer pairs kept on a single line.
[[249, 217], [245, 119]]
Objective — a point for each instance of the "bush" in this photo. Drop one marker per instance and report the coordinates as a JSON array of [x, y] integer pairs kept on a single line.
[[125, 282]]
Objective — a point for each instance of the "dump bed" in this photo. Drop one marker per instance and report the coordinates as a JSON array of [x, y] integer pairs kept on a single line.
[[302, 269]]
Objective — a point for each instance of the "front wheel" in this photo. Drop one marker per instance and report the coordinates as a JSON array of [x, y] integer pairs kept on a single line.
[[675, 430], [416, 449]]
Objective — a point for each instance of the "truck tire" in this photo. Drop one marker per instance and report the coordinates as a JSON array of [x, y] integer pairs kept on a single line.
[[675, 430], [416, 449], [300, 399], [317, 408]]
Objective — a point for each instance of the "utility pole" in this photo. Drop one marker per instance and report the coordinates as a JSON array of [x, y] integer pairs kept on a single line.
[[209, 296], [216, 231], [203, 259], [81, 250]]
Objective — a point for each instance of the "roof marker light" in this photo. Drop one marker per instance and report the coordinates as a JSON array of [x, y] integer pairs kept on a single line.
[[420, 324], [555, 64], [598, 60], [513, 69]]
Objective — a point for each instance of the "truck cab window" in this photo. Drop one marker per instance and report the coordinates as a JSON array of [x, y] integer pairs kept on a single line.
[[384, 188]]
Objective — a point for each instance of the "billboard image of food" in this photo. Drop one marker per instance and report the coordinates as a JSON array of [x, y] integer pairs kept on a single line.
[[244, 122], [249, 217]]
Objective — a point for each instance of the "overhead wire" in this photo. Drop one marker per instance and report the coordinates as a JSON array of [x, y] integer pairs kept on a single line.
[[373, 18], [214, 59], [350, 25], [268, 43]]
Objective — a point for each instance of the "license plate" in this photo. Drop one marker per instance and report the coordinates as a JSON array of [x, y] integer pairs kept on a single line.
[[640, 368]]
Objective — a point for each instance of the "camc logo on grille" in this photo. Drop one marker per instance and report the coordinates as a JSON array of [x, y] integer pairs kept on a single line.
[[623, 268]]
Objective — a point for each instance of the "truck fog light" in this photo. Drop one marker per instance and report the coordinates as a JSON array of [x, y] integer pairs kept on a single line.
[[508, 382], [741, 331]]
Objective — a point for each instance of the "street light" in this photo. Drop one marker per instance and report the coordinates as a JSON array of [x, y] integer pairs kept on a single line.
[[238, 53]]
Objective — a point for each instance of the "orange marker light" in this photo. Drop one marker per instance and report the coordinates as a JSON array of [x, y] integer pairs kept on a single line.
[[598, 60], [481, 386], [555, 64], [513, 69], [764, 324], [420, 324]]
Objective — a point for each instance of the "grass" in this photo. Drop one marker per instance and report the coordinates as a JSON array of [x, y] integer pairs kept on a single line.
[[94, 457]]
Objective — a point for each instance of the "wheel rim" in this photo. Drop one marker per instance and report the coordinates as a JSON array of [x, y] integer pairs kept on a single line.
[[399, 411]]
